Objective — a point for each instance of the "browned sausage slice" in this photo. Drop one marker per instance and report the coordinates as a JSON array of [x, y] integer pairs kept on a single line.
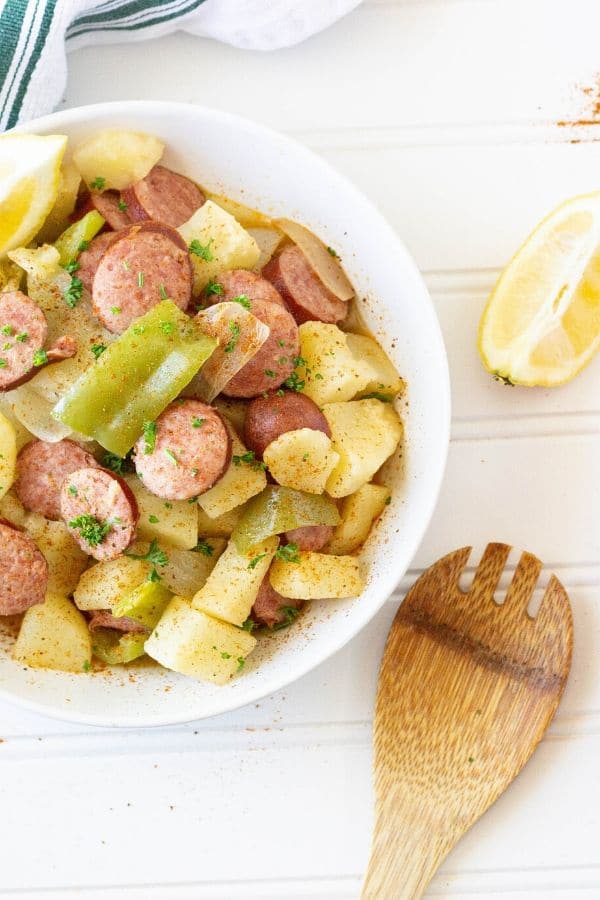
[[41, 472], [164, 196], [301, 288], [23, 571], [112, 208], [269, 606], [269, 417], [145, 264], [88, 259], [100, 511], [274, 361], [191, 451], [103, 618], [243, 283], [23, 331], [310, 537]]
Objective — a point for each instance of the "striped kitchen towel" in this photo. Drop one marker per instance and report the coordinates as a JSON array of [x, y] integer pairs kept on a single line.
[[35, 36]]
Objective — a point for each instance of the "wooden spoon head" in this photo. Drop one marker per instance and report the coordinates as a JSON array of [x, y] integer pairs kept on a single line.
[[467, 688]]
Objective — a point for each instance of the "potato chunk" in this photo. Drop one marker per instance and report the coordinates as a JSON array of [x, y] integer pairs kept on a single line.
[[332, 373], [226, 244], [385, 379], [301, 459], [118, 156], [242, 480], [364, 433], [66, 560], [232, 586], [359, 510], [317, 576], [103, 585], [188, 641], [173, 522], [54, 635], [8, 455]]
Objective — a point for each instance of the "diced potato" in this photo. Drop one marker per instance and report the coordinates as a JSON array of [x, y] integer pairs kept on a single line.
[[186, 570], [54, 635], [233, 410], [220, 526], [268, 240], [66, 560], [385, 379], [188, 641], [13, 510], [118, 156], [232, 586], [364, 433], [58, 217], [22, 436], [245, 215], [317, 576], [173, 522], [8, 455], [359, 510], [229, 245], [301, 459], [332, 371], [102, 585], [241, 481], [10, 275]]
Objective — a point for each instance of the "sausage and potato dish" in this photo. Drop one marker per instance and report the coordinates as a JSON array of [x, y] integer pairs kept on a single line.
[[193, 422]]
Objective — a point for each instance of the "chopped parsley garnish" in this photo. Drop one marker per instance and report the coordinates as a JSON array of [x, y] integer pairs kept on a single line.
[[290, 614], [149, 431], [154, 576], [255, 560], [71, 267], [73, 293], [241, 663], [294, 383], [171, 456], [126, 265], [270, 373], [288, 553], [299, 361], [153, 520], [213, 287], [167, 327], [83, 246], [205, 548], [235, 332], [225, 655], [197, 422], [73, 490], [122, 205], [333, 253], [117, 464], [243, 300], [140, 279], [281, 343], [21, 338], [7, 346], [248, 458], [40, 358], [139, 329], [86, 665], [115, 310], [163, 292], [388, 501], [249, 625], [168, 505], [7, 329], [153, 555], [92, 531], [201, 250], [3, 363], [98, 349], [98, 183], [377, 395]]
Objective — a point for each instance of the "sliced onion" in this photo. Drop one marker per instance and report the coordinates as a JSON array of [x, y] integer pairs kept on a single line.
[[35, 412], [322, 261], [268, 240], [235, 349]]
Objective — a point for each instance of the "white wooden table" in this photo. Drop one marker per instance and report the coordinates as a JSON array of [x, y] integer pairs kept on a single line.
[[444, 112]]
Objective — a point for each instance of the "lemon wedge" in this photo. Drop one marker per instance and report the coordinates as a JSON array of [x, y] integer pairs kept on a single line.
[[29, 179], [541, 324]]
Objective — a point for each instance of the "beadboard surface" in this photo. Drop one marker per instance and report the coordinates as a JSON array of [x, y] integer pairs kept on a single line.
[[446, 113]]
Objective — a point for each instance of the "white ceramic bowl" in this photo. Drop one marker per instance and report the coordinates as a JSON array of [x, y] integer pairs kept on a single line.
[[266, 170]]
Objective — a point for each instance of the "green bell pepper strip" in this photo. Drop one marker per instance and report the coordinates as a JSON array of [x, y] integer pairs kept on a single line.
[[116, 649], [278, 509], [135, 378], [144, 604], [69, 242]]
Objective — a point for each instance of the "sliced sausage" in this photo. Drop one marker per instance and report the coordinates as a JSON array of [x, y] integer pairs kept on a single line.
[[103, 618], [64, 347], [23, 331], [274, 361], [41, 472], [269, 417], [243, 283], [100, 511], [88, 259], [112, 208], [301, 288], [310, 537], [191, 451], [143, 265], [269, 606], [163, 196], [23, 571]]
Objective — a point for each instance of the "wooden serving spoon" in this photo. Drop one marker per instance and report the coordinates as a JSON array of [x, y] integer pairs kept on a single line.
[[467, 688]]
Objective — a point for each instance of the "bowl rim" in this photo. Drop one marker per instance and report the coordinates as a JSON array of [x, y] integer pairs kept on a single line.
[[81, 115]]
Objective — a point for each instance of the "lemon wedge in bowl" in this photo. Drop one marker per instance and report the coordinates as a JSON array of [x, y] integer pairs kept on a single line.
[[29, 179], [541, 325]]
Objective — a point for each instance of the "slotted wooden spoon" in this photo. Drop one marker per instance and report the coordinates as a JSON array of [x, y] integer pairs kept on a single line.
[[467, 688]]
